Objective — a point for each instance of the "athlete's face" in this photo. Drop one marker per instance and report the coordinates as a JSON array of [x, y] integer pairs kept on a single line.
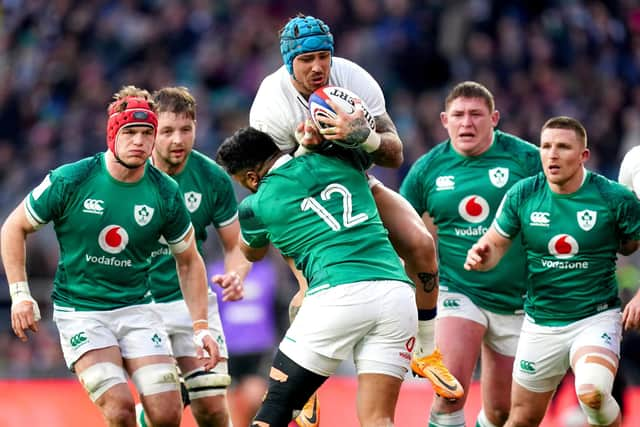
[[134, 145], [311, 71], [563, 155], [470, 124], [174, 142]]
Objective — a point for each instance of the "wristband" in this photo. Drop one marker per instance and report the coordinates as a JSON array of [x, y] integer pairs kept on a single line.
[[372, 143], [19, 288], [200, 324], [20, 292]]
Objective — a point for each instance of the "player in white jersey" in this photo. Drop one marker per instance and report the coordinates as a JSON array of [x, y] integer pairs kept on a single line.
[[573, 222], [280, 109], [109, 211], [210, 199], [629, 174]]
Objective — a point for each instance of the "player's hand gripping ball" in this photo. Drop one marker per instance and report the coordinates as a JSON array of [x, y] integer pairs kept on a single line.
[[345, 100]]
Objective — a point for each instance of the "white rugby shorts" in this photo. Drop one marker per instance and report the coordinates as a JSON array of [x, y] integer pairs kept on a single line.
[[136, 329], [179, 326], [502, 330], [376, 321], [544, 352]]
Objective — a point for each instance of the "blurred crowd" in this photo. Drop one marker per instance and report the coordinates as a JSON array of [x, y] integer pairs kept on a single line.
[[60, 61]]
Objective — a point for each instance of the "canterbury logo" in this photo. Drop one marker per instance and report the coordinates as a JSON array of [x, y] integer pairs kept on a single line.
[[540, 219], [451, 303], [93, 206], [78, 339], [527, 366], [446, 182]]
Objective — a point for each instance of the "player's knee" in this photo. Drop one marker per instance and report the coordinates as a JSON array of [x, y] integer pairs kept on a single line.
[[290, 386], [601, 409], [590, 395], [118, 413], [594, 381], [499, 417], [99, 378], [521, 415], [211, 416], [169, 416], [207, 393], [156, 378], [117, 408]]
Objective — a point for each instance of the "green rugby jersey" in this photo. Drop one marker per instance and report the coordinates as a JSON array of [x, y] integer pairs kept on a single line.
[[319, 211], [106, 231], [571, 241], [462, 194], [210, 199]]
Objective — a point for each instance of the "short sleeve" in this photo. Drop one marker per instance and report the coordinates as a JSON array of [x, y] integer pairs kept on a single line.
[[412, 188], [226, 206], [178, 221], [507, 221], [46, 201], [628, 215], [254, 233]]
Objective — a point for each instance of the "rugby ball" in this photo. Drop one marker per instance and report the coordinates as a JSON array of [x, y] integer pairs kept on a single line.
[[344, 99]]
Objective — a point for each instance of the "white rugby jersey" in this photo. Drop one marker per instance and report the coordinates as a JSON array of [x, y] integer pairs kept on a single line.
[[629, 175], [278, 107]]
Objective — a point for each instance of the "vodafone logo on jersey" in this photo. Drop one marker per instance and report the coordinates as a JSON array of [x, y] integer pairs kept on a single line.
[[563, 246], [113, 239], [473, 209]]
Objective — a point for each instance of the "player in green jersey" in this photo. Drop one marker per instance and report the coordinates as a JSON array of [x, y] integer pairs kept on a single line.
[[573, 222], [109, 211], [456, 188], [210, 199], [319, 211], [280, 108]]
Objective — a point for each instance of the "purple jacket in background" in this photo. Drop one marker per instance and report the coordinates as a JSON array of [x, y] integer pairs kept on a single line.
[[249, 324]]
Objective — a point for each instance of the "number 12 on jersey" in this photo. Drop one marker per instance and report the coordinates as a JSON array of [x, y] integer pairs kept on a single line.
[[348, 219]]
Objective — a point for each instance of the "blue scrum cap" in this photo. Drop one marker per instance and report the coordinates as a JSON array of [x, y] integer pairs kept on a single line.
[[302, 35]]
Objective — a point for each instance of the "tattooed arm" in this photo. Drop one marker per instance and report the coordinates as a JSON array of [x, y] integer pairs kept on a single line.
[[389, 153]]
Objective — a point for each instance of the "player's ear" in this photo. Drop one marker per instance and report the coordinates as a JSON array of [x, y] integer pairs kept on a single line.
[[444, 119], [252, 179], [495, 117]]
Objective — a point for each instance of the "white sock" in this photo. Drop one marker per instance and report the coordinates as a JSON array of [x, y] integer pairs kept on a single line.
[[425, 340], [454, 419], [482, 420]]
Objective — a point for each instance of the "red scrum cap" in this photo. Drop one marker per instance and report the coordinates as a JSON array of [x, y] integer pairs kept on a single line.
[[129, 111]]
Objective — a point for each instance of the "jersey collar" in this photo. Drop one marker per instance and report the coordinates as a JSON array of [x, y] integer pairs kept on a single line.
[[280, 161]]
